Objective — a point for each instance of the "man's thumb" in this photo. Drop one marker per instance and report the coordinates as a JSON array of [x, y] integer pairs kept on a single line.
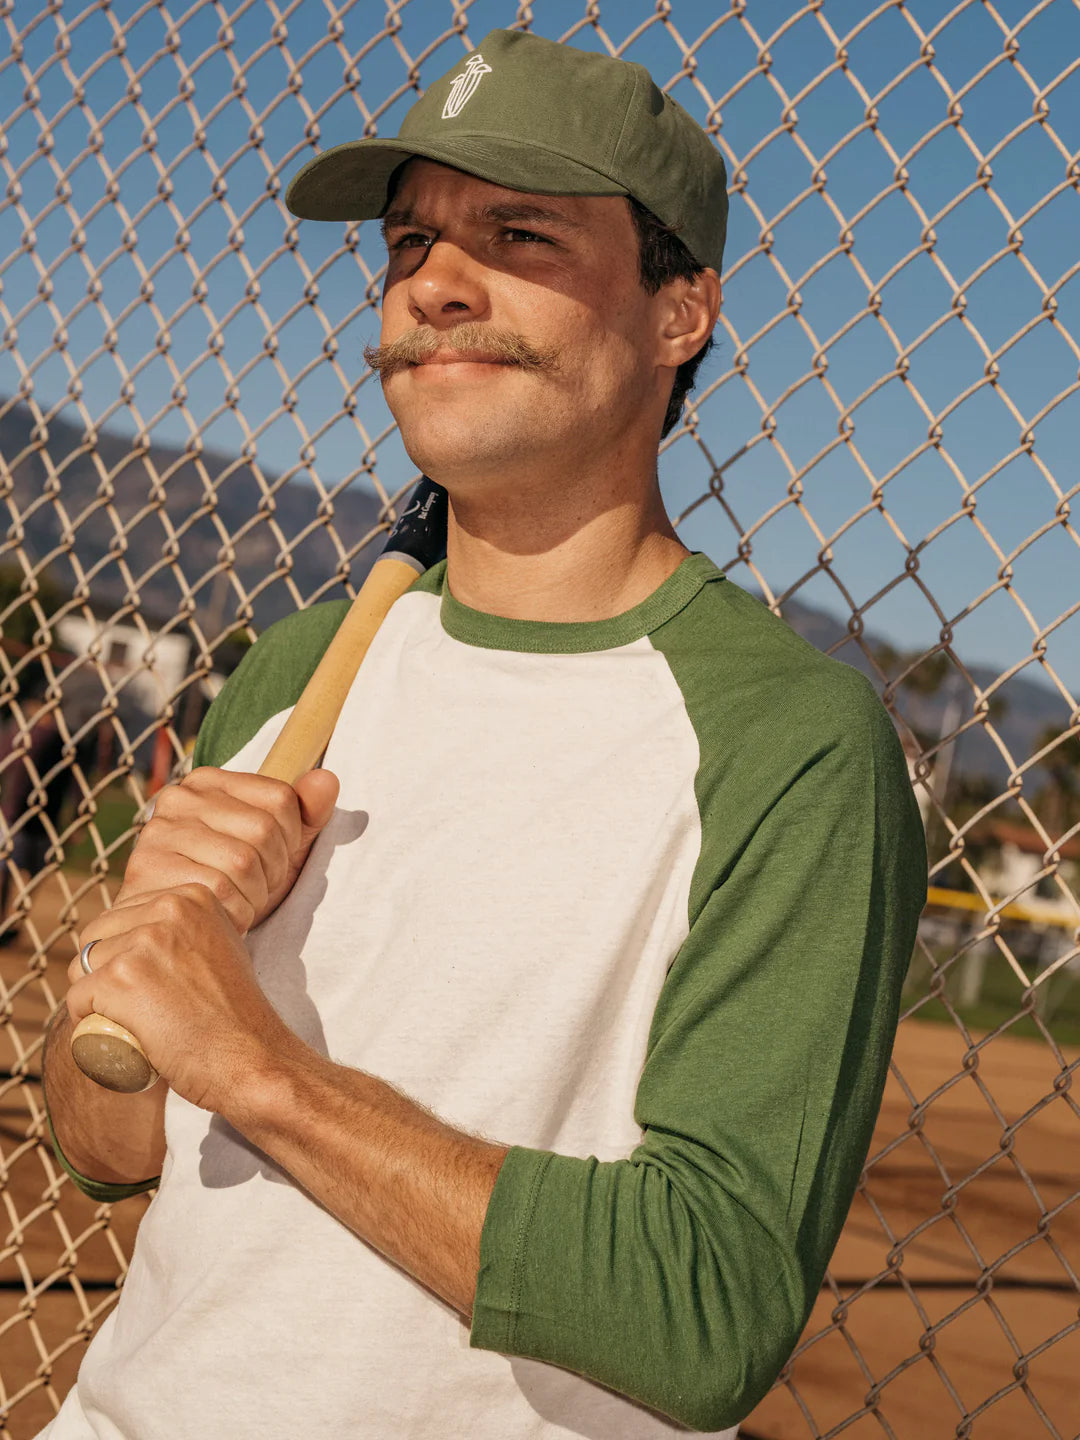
[[317, 792]]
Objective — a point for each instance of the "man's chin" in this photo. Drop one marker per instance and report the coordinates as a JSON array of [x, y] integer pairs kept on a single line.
[[450, 418], [445, 442]]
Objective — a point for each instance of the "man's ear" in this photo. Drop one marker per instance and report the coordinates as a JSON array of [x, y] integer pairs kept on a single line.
[[689, 314]]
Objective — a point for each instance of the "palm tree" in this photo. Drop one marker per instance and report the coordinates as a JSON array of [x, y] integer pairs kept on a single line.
[[1058, 802]]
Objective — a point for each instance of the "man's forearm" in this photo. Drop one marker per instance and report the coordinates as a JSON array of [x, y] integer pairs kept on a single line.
[[117, 1139], [411, 1186]]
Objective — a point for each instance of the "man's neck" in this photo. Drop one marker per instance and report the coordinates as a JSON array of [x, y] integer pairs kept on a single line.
[[541, 562]]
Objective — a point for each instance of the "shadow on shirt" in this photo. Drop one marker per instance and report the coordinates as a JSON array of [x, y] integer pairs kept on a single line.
[[579, 1406], [227, 1157]]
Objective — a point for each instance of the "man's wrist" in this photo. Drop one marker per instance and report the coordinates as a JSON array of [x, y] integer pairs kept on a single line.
[[275, 1080]]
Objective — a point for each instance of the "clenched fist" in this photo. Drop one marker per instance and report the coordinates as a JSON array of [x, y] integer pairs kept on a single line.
[[244, 837], [170, 967], [221, 851]]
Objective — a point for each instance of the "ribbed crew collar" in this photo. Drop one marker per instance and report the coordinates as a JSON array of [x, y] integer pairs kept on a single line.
[[575, 637]]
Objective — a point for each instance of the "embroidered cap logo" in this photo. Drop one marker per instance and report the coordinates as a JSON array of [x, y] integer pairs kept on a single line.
[[464, 85]]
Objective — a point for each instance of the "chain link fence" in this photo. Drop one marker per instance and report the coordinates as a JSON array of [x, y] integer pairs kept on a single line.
[[882, 446]]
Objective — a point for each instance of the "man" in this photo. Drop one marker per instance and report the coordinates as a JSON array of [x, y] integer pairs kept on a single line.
[[605, 863], [35, 785], [39, 740]]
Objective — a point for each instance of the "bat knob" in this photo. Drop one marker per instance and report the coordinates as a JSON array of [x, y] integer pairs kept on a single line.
[[110, 1055]]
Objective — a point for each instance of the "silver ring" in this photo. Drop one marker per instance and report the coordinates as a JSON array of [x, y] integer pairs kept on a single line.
[[84, 957]]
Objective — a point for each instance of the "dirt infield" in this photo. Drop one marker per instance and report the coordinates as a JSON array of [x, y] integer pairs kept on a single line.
[[1031, 1299], [60, 1254]]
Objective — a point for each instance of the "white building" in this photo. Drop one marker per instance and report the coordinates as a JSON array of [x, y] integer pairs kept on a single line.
[[149, 672]]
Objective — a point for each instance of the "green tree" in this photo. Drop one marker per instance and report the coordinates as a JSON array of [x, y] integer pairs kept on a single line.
[[1058, 802], [18, 621]]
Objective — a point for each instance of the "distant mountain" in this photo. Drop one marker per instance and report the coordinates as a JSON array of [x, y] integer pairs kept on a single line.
[[71, 518], [1028, 707], [63, 499]]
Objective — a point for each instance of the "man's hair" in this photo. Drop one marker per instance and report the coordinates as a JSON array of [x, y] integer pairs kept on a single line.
[[663, 257]]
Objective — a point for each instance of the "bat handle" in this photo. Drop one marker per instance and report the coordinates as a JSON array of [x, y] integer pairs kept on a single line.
[[111, 1055]]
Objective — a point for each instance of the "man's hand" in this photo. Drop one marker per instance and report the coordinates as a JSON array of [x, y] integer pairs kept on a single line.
[[244, 837], [170, 967], [221, 851]]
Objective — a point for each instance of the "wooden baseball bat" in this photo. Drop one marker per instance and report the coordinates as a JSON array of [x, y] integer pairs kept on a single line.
[[105, 1051]]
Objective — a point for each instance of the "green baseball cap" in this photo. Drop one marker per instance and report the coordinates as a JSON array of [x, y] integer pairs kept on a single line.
[[534, 115]]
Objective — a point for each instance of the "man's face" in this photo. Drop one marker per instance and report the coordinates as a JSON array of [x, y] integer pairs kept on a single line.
[[560, 364]]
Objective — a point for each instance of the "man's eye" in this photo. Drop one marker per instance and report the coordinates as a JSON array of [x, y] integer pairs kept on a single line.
[[526, 235], [411, 241]]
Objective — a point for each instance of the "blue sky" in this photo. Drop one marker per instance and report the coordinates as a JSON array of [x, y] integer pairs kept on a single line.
[[194, 90]]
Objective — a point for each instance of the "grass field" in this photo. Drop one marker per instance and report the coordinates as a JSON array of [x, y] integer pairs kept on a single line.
[[1001, 997], [115, 815]]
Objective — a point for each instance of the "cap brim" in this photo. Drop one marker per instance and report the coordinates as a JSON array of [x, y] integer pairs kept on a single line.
[[352, 181]]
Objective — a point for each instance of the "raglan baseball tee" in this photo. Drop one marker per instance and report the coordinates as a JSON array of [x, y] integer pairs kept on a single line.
[[636, 897]]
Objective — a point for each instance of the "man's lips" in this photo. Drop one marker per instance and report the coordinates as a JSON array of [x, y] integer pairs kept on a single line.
[[458, 357]]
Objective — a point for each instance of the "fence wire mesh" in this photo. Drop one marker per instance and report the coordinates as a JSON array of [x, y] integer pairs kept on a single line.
[[883, 448]]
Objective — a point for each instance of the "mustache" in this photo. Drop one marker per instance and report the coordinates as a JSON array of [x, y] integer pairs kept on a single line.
[[502, 347]]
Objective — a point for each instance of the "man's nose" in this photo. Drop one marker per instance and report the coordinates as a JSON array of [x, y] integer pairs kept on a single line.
[[448, 284]]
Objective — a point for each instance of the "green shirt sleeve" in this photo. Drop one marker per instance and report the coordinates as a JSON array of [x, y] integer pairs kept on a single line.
[[272, 675], [269, 679], [683, 1275], [100, 1190]]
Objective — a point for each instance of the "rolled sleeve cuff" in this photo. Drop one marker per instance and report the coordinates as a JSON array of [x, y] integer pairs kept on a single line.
[[503, 1249], [100, 1190]]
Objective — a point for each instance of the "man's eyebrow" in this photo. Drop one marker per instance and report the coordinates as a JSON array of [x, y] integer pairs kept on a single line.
[[404, 216], [499, 214], [517, 210]]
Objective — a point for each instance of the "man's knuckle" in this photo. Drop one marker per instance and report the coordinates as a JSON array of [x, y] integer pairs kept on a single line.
[[221, 886], [195, 896], [201, 776], [166, 803], [125, 972], [281, 800], [153, 832], [242, 860], [172, 907]]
